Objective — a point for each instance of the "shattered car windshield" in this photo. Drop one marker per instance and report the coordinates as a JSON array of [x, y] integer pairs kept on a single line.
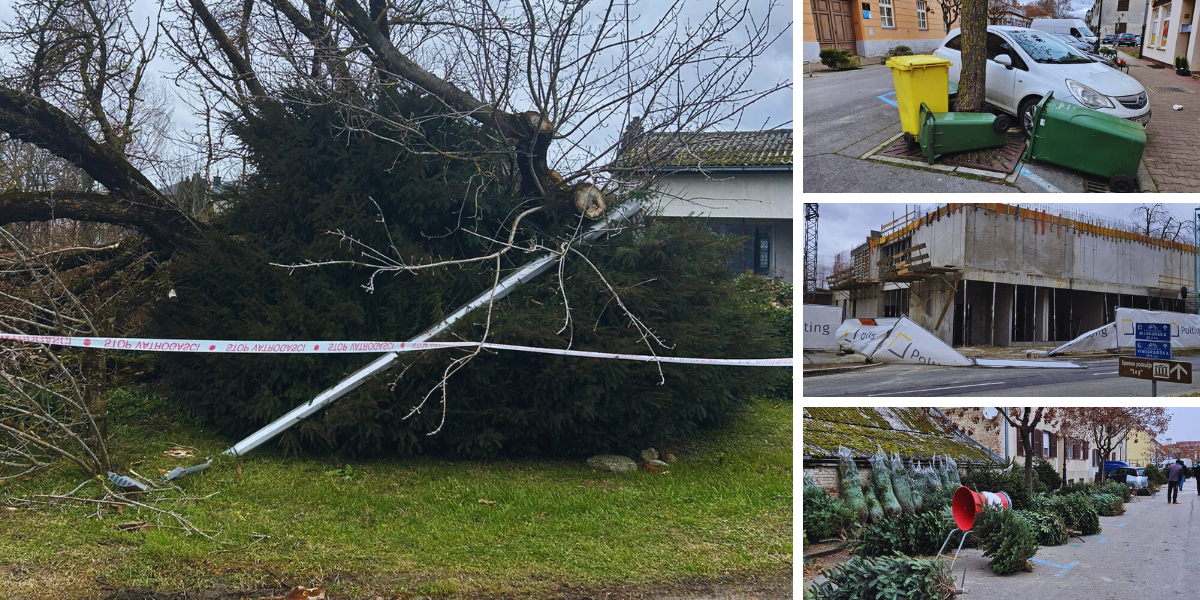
[[1045, 48]]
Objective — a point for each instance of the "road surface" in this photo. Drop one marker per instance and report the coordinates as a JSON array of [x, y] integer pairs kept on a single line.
[[1100, 379]]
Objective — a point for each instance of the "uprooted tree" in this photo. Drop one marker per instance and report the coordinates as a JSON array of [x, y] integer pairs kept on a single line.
[[450, 140]]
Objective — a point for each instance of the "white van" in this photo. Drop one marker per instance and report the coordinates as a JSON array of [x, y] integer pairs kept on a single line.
[[1073, 27]]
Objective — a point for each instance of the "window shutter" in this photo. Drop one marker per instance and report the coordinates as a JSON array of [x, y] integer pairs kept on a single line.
[[1053, 445], [1037, 442]]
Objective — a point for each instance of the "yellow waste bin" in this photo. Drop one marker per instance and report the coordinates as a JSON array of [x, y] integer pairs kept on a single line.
[[918, 79]]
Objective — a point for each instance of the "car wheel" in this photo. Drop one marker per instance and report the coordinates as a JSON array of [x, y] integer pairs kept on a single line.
[[1026, 112]]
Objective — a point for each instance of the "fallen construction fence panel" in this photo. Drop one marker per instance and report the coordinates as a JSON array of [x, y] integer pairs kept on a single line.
[[820, 326], [1120, 334], [902, 340]]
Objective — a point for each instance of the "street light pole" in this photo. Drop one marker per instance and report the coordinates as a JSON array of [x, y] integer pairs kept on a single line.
[[1099, 23], [1145, 17]]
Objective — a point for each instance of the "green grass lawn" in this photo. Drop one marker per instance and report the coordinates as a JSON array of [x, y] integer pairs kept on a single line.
[[412, 526]]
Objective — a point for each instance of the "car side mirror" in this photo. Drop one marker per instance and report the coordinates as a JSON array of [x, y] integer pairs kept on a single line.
[[1005, 60]]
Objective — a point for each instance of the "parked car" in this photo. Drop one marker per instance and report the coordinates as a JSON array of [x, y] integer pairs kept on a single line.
[[1108, 39], [1129, 39], [1072, 27], [1134, 477], [1075, 42], [1023, 64]]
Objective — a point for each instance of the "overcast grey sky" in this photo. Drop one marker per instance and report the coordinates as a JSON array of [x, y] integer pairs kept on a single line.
[[843, 225], [1185, 425]]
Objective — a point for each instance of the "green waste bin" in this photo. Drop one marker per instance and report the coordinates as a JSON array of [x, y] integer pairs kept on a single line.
[[919, 79], [946, 132], [1079, 138]]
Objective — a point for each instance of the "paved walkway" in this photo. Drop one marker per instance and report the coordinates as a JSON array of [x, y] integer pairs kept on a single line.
[[1172, 136]]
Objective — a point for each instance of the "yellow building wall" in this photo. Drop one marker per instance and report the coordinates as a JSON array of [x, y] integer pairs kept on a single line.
[[1141, 448], [872, 38]]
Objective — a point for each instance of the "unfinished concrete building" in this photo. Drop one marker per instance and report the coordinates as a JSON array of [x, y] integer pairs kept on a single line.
[[1002, 275]]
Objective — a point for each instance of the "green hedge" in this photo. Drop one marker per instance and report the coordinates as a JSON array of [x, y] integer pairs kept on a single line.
[[887, 577], [909, 534]]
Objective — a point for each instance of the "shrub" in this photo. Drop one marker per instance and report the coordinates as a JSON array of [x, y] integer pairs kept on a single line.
[[1007, 539], [909, 534], [830, 57], [1046, 474], [1076, 510], [891, 577], [1117, 489], [900, 50], [995, 480], [1107, 505], [824, 515], [311, 176], [1081, 487], [1155, 477], [1048, 529]]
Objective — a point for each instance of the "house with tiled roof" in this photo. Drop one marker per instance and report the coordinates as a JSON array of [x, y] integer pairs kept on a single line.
[[738, 182], [916, 434]]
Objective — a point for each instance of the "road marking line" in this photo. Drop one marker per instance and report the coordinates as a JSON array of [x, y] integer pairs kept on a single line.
[[935, 389], [1122, 524], [1045, 185], [885, 99], [1101, 539], [1108, 373]]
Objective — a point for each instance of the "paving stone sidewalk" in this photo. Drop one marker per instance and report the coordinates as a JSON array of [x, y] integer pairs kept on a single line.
[[1173, 136]]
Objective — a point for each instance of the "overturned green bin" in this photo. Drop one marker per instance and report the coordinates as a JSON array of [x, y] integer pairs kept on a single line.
[[947, 132], [1079, 138]]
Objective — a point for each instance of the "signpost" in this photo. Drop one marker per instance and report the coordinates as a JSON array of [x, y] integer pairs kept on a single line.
[[1152, 351]]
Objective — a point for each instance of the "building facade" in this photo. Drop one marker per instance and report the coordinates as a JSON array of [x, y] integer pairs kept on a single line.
[[1111, 17], [1144, 448], [1169, 32], [873, 27], [739, 183], [1000, 275], [1074, 460]]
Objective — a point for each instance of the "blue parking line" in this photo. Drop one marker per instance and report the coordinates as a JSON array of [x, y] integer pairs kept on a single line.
[[1101, 539], [1045, 185], [1064, 569], [884, 97], [1121, 525]]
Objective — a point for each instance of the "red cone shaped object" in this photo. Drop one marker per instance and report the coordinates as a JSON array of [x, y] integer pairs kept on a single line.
[[967, 502]]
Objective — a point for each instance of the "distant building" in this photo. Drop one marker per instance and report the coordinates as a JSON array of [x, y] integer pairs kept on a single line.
[[1003, 275], [1117, 16], [873, 27], [1074, 459]]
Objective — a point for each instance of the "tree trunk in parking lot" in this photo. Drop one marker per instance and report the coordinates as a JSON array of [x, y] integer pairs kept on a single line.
[[974, 56]]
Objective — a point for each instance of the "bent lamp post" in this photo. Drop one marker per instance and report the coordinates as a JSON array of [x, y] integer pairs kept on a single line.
[[965, 505]]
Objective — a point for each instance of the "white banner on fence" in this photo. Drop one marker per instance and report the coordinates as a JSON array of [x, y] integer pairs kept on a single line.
[[908, 342], [820, 326], [864, 335], [1185, 328], [1101, 338]]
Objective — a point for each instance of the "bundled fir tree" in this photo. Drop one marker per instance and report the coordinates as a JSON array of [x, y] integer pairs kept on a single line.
[[311, 176]]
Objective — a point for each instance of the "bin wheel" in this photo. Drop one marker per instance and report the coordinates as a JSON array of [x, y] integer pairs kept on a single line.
[[911, 142], [1001, 124], [1121, 183]]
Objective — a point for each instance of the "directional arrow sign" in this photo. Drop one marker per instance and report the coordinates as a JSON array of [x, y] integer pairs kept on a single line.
[[1159, 350], [1169, 371], [1154, 332]]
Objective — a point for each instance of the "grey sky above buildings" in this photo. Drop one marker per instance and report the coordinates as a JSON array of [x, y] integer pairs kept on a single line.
[[774, 66], [1185, 425], [842, 226]]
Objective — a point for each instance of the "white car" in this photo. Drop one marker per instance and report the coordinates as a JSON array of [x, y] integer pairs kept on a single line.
[[1023, 64]]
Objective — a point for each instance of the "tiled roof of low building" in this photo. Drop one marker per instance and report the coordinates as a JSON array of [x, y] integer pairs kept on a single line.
[[866, 429], [771, 148]]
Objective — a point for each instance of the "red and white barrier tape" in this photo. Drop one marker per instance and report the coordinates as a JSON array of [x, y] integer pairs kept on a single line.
[[323, 347]]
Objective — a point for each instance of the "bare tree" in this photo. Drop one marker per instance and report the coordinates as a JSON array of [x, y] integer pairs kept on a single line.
[[971, 83], [1108, 426], [1157, 221], [996, 9], [1024, 419], [951, 9]]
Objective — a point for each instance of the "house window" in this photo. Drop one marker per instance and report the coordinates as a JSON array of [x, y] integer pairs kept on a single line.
[[921, 22], [1045, 444], [755, 253], [885, 14], [1122, 5]]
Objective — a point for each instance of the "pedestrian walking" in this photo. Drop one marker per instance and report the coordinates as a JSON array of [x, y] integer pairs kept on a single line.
[[1174, 480]]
